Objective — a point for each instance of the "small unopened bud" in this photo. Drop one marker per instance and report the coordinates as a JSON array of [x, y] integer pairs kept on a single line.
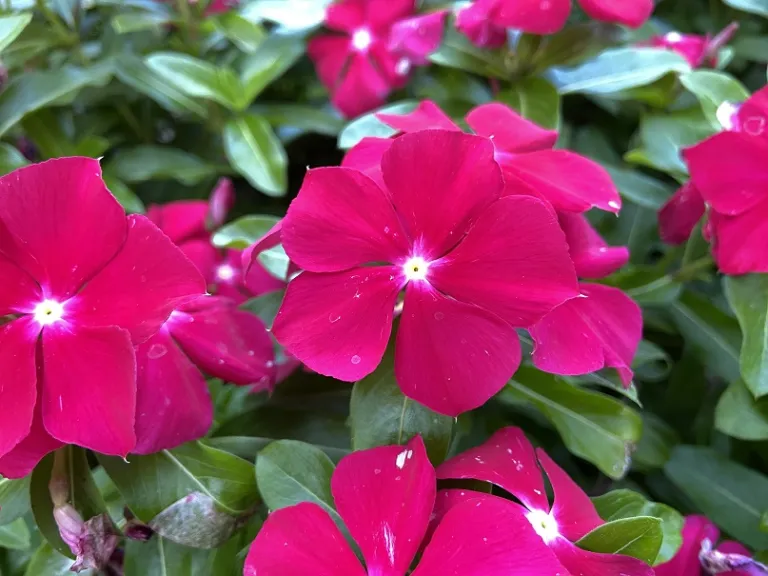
[[715, 562], [92, 542], [71, 526]]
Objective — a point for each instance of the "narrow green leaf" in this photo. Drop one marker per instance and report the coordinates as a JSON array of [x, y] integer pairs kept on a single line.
[[536, 99], [243, 232], [160, 557], [738, 414], [245, 34], [11, 26], [748, 296], [656, 445], [270, 61], [140, 21], [457, 51], [15, 535], [10, 159], [256, 153], [142, 163], [14, 499], [639, 537]]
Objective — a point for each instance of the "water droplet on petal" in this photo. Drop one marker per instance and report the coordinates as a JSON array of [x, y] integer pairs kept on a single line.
[[355, 359], [156, 351], [439, 315]]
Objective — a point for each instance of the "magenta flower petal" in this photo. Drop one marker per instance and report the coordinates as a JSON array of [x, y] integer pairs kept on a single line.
[[385, 497], [363, 87], [751, 115], [20, 461], [220, 203], [118, 294], [224, 341], [533, 16], [729, 171], [250, 256], [740, 243], [299, 541], [572, 183], [680, 214], [426, 116], [603, 328], [259, 282], [579, 561], [60, 223], [514, 262], [346, 15], [686, 561], [487, 537], [632, 13], [452, 356], [417, 37], [476, 23], [591, 255], [506, 460], [572, 510], [18, 292], [326, 230], [385, 14], [366, 155], [441, 182], [339, 324], [18, 393], [731, 547], [182, 220], [204, 256], [329, 54], [77, 406], [510, 131], [173, 405]]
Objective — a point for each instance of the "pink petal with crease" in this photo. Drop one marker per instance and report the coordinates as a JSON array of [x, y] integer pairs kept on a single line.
[[18, 291], [476, 23], [509, 131], [330, 55], [382, 15], [366, 156], [680, 214], [173, 405], [591, 255], [385, 497], [298, 541], [632, 13], [204, 256], [579, 561], [60, 224], [441, 182], [182, 220], [220, 203], [339, 220], [740, 243], [20, 461], [339, 324], [418, 37], [686, 561], [452, 356], [533, 16], [588, 333], [141, 286], [78, 408], [506, 460], [346, 15], [514, 262], [363, 87], [426, 116]]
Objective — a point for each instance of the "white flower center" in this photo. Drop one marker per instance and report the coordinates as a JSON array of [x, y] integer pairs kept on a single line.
[[48, 311], [403, 66], [544, 525], [726, 113], [416, 268], [361, 40], [225, 272], [673, 37]]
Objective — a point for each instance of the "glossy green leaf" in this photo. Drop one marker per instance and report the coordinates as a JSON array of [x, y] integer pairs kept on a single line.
[[256, 153], [10, 159], [270, 61], [14, 499], [593, 426], [572, 44], [639, 537], [619, 69], [143, 163], [48, 562], [368, 125], [164, 558], [290, 14], [124, 195], [738, 414], [293, 120], [620, 504], [712, 89], [639, 188], [381, 415], [15, 535], [535, 99], [729, 494], [245, 34], [759, 7], [128, 22], [748, 296], [243, 232], [656, 444], [457, 51], [11, 26]]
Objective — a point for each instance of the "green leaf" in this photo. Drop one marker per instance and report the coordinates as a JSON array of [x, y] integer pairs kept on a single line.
[[739, 415], [48, 562], [143, 163], [593, 426], [265, 306], [619, 69], [14, 499], [714, 334], [245, 34], [256, 153], [648, 286], [152, 483], [656, 445], [10, 159], [381, 415], [289, 14], [536, 99], [293, 120], [124, 195], [712, 89], [140, 21], [620, 504], [270, 61], [11, 26], [15, 535], [162, 557], [731, 495], [289, 472], [639, 188], [754, 6], [132, 71], [571, 45], [243, 232], [457, 51], [199, 78], [748, 296], [368, 125], [638, 537]]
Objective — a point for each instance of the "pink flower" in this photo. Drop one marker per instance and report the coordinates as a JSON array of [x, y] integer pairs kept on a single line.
[[508, 460], [601, 329], [385, 497], [220, 6], [680, 214], [699, 534], [484, 21], [698, 50], [474, 267], [380, 42], [83, 285]]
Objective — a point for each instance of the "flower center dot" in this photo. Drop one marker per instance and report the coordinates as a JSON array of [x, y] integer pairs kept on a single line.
[[361, 40], [48, 311], [416, 269], [225, 272], [544, 525]]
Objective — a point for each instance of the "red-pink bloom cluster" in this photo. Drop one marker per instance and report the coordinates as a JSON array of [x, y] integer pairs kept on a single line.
[[84, 284], [508, 460], [699, 538], [378, 44], [385, 498], [698, 50], [728, 181], [485, 22]]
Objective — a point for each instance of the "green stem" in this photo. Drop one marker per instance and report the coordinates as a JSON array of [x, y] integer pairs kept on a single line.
[[693, 269]]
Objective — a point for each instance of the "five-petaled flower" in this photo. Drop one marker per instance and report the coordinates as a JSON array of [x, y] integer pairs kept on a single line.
[[381, 41], [83, 284], [474, 266], [385, 497], [509, 461]]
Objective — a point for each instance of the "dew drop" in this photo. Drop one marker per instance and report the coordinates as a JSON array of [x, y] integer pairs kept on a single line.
[[355, 359], [156, 351], [439, 315]]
